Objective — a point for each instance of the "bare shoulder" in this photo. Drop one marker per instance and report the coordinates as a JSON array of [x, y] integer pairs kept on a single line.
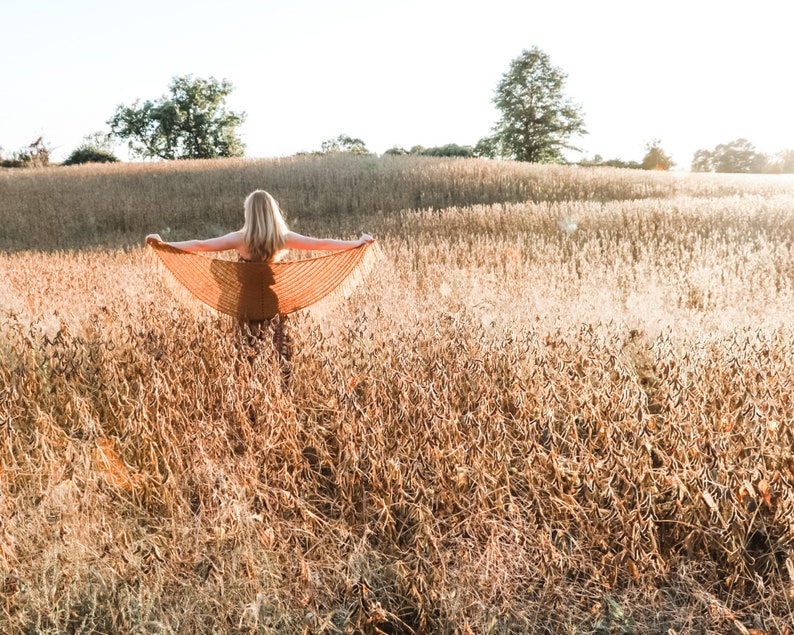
[[235, 240], [294, 240], [237, 237], [232, 240]]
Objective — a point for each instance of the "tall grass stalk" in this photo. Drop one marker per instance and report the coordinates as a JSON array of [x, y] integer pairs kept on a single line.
[[556, 415], [115, 204]]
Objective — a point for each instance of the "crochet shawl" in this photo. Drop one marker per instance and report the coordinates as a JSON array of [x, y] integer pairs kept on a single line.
[[260, 291]]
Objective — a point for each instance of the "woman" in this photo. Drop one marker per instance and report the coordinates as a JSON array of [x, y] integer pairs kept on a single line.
[[264, 234], [263, 238]]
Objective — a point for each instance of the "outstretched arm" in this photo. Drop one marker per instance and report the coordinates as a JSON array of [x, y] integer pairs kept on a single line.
[[307, 243], [232, 240]]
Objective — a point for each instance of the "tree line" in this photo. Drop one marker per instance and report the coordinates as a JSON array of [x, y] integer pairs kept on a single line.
[[741, 156], [537, 124]]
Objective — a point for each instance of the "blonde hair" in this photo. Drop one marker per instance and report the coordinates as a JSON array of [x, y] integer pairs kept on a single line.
[[265, 231]]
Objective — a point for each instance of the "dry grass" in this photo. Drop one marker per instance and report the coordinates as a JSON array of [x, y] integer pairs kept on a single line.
[[114, 204], [562, 416]]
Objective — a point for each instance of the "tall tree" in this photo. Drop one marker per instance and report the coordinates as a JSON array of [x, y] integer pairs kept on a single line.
[[655, 157], [190, 123], [538, 120], [738, 156], [344, 143], [702, 161]]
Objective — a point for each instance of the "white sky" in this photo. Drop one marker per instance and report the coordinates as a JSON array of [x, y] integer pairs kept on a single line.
[[692, 73]]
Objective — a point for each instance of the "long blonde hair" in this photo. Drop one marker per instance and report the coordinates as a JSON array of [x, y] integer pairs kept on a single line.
[[265, 231]]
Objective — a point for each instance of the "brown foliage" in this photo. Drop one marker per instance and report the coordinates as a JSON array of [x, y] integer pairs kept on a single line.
[[540, 417]]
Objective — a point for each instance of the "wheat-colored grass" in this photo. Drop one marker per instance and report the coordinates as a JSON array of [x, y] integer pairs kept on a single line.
[[114, 204], [563, 416]]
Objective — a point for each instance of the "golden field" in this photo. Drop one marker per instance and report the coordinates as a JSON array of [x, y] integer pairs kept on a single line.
[[562, 403]]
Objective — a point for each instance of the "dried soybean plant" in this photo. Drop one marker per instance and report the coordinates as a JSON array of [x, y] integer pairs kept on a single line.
[[549, 416]]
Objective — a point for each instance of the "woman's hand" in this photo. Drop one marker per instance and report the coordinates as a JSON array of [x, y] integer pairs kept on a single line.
[[153, 236], [365, 238]]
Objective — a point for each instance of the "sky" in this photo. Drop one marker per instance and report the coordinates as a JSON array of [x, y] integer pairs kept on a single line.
[[690, 73]]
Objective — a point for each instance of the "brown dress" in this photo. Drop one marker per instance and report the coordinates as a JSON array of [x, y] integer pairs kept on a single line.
[[277, 328]]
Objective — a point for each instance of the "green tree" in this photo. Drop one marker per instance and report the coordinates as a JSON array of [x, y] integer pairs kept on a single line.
[[537, 120], [96, 147], [448, 150], [738, 156], [89, 154], [344, 143], [655, 158], [487, 148], [190, 123], [702, 161], [598, 160]]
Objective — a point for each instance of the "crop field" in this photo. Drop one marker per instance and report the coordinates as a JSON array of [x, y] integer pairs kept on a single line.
[[562, 402]]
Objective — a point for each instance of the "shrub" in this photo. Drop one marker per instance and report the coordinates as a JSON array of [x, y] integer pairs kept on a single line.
[[90, 154], [36, 155], [448, 150]]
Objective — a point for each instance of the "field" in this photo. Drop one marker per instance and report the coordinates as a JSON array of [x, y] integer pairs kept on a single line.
[[561, 403]]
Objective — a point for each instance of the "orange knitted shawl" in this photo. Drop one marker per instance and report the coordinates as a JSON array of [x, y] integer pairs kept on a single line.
[[259, 291]]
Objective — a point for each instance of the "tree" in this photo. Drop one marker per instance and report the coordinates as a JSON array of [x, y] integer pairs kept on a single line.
[[537, 119], [448, 150], [36, 155], [95, 148], [655, 158], [89, 154], [702, 161], [738, 156], [344, 143], [598, 160], [487, 148], [191, 123]]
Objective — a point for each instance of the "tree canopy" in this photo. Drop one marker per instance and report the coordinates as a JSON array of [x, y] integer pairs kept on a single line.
[[655, 157], [739, 156], [89, 154], [447, 150], [96, 147], [537, 120], [190, 123], [344, 143]]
